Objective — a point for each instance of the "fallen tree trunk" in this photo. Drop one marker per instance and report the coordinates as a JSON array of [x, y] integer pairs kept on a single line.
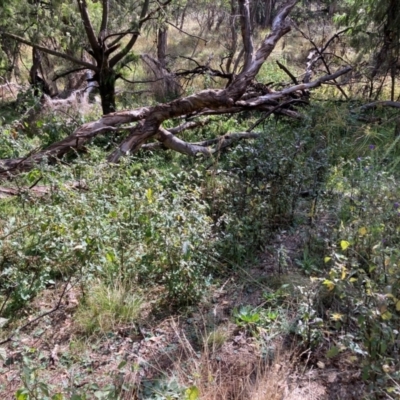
[[149, 119], [38, 191]]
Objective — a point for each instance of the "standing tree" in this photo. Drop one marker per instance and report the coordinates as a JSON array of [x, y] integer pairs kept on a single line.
[[263, 11], [103, 38], [376, 31]]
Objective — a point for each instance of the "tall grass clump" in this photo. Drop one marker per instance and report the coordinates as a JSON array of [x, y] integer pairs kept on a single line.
[[106, 307]]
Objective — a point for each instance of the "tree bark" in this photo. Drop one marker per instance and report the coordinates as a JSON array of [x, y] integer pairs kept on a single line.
[[162, 39], [38, 76], [106, 81], [232, 46], [247, 36]]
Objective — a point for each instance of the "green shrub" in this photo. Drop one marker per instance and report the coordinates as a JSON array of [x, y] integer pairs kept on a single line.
[[258, 188], [130, 225]]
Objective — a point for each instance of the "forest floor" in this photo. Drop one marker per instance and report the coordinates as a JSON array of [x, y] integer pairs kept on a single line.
[[251, 335], [202, 347]]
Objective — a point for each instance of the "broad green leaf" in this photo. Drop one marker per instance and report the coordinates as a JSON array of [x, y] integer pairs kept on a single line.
[[21, 394], [327, 259], [192, 393], [110, 257], [344, 244], [386, 315]]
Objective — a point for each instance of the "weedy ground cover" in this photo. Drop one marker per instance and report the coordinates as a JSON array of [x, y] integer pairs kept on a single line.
[[161, 232]]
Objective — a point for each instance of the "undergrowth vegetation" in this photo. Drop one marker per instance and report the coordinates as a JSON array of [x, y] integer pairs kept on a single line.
[[161, 231]]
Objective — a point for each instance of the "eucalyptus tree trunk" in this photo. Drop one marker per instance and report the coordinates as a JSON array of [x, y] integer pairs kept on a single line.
[[106, 82], [333, 7], [263, 12], [233, 39], [162, 39], [38, 75]]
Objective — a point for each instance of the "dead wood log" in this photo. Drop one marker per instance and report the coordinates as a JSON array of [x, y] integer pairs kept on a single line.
[[192, 106], [39, 191], [150, 118], [263, 107], [212, 99], [76, 141], [377, 104]]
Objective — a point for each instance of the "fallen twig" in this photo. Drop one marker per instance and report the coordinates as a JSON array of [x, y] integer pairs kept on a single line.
[[9, 339]]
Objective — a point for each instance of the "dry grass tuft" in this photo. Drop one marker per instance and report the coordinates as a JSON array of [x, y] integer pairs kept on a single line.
[[232, 368], [105, 308]]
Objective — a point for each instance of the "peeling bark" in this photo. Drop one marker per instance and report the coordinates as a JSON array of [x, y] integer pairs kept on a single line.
[[171, 142]]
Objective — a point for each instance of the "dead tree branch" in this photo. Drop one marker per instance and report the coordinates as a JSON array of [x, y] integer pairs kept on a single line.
[[186, 33], [149, 120], [169, 141], [207, 102], [273, 96], [291, 76], [320, 55], [377, 104]]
